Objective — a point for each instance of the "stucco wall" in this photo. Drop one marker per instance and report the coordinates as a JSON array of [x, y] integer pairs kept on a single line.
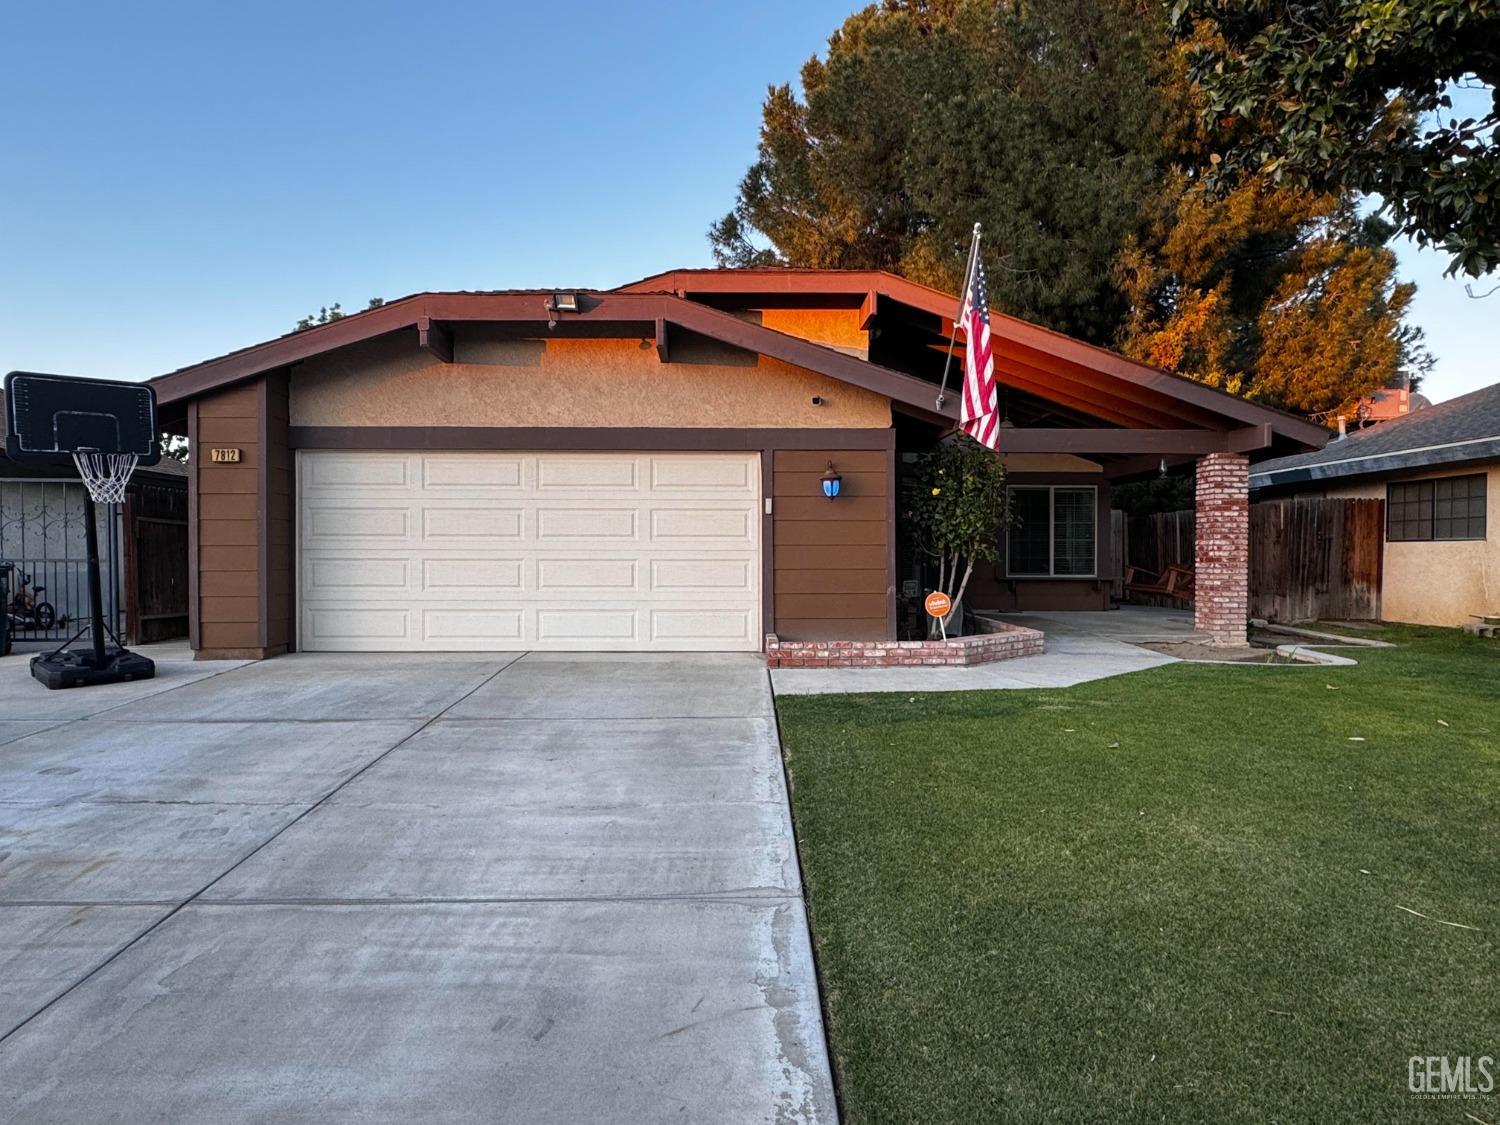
[[509, 382], [1438, 583]]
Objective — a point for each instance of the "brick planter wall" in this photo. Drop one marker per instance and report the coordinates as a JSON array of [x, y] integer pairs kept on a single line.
[[1222, 582], [1005, 642]]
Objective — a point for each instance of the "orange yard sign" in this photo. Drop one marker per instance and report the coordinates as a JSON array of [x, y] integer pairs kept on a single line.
[[938, 604]]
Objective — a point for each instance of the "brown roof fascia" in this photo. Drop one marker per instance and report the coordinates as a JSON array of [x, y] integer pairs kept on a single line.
[[1042, 341]]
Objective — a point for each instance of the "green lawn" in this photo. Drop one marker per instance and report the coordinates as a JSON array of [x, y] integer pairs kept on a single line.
[[1171, 896]]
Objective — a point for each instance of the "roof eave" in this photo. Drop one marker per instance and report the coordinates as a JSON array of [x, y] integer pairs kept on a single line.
[[1466, 453]]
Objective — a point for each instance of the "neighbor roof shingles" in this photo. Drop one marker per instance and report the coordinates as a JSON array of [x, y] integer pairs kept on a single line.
[[1462, 429]]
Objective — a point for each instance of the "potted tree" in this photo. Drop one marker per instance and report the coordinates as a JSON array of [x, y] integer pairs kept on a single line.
[[957, 503]]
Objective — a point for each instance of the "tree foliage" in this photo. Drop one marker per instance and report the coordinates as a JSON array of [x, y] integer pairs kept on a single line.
[[329, 313], [956, 502], [1072, 129], [1339, 95], [927, 116], [1275, 294]]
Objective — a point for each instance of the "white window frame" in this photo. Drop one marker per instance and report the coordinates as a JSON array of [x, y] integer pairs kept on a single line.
[[1051, 572]]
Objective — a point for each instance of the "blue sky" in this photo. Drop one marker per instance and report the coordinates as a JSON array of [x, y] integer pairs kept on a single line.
[[180, 180]]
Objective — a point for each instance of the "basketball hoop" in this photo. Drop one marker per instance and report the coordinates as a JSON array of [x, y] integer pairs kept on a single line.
[[105, 475], [105, 429]]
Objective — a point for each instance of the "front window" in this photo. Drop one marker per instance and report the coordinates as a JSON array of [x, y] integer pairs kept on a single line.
[[1448, 508], [1054, 532]]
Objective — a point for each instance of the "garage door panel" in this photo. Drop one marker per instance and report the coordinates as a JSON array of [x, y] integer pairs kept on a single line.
[[557, 523], [591, 476], [465, 524], [348, 474], [341, 523], [708, 475], [491, 551], [472, 627], [724, 628], [473, 577], [704, 525], [608, 576], [359, 575], [697, 574], [442, 474], [591, 626], [357, 626]]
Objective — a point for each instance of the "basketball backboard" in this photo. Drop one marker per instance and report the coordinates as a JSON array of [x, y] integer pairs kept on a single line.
[[48, 418]]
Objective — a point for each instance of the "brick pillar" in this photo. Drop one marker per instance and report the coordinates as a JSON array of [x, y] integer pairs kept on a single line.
[[1222, 581]]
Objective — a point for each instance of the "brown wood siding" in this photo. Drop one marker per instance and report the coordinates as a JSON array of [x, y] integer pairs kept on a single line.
[[229, 592], [832, 577]]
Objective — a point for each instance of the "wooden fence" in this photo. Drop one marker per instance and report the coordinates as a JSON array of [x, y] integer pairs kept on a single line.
[[1314, 559], [1309, 559], [156, 561]]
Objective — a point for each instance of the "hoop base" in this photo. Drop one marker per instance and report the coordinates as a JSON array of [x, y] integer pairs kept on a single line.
[[68, 668]]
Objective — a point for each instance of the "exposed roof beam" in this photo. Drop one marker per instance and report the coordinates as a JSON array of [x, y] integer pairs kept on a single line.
[[435, 339], [1178, 442], [663, 351]]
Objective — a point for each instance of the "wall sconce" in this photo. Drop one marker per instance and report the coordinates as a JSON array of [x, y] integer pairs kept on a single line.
[[832, 482]]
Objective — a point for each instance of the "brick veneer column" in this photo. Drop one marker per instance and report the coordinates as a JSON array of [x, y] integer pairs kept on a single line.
[[1223, 547]]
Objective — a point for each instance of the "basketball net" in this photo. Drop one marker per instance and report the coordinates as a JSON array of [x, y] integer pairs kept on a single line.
[[105, 475]]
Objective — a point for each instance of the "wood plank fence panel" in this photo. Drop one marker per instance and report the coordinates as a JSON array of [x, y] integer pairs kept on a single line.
[[1309, 559]]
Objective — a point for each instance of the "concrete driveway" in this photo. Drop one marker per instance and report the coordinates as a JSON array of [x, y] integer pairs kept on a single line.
[[412, 888]]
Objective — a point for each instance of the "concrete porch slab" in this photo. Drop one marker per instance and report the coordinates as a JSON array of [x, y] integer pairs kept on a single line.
[[1079, 647]]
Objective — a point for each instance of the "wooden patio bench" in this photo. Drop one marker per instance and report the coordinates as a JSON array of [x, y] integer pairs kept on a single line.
[[1176, 582]]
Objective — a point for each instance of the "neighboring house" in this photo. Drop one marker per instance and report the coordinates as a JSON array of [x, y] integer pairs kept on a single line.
[[1387, 405], [1438, 471], [143, 548], [641, 468]]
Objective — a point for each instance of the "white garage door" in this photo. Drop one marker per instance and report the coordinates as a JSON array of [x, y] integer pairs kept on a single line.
[[483, 551]]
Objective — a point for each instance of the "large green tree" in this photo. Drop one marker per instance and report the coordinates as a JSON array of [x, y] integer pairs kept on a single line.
[[926, 117], [1073, 131], [1357, 95]]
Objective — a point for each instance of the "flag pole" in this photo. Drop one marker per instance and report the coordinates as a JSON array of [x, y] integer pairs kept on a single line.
[[963, 295]]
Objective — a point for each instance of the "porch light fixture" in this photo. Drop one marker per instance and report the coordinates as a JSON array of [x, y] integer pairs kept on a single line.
[[832, 482]]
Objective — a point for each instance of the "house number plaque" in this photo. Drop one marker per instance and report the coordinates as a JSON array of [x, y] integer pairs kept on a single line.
[[225, 456]]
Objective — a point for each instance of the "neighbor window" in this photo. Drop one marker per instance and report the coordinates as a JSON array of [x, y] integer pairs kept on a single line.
[[1053, 533], [1448, 508]]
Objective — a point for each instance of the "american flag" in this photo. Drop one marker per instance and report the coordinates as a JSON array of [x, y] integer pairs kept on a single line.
[[979, 418]]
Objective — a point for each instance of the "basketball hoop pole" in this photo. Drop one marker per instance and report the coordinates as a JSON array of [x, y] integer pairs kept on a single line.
[[96, 587]]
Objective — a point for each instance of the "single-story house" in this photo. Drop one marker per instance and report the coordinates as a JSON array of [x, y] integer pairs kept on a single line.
[[1438, 471], [640, 468]]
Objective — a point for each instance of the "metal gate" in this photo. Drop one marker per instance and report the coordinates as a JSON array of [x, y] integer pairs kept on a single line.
[[42, 537]]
